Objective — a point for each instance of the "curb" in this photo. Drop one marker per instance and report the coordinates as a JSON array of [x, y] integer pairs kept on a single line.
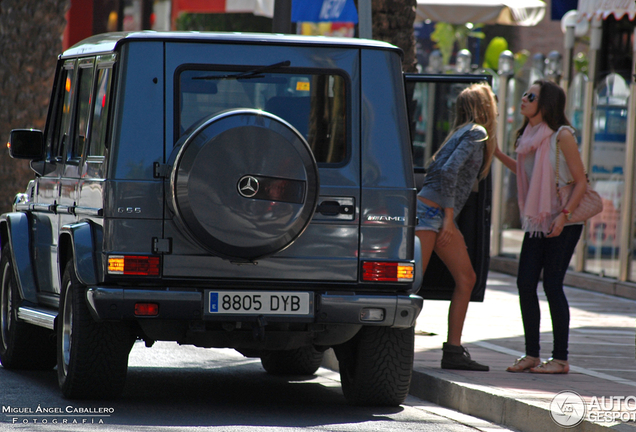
[[492, 404], [505, 408]]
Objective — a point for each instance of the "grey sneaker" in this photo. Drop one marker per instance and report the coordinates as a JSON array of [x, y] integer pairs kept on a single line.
[[458, 358]]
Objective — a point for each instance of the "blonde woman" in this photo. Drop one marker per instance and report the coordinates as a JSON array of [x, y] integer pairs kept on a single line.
[[464, 157]]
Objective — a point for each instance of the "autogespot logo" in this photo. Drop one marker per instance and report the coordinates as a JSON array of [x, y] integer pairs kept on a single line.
[[567, 409]]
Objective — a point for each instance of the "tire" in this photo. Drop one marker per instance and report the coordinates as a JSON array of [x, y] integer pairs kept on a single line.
[[22, 345], [300, 361], [92, 357], [244, 184], [376, 366]]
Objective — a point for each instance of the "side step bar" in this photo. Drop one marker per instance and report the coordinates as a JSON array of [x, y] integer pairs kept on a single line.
[[38, 317]]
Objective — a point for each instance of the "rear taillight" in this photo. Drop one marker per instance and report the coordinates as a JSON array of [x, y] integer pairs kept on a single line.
[[377, 271], [146, 309], [133, 265]]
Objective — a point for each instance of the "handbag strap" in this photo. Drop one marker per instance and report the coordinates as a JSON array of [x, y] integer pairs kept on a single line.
[[557, 167]]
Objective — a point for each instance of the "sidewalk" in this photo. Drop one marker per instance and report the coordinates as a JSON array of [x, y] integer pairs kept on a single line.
[[602, 362]]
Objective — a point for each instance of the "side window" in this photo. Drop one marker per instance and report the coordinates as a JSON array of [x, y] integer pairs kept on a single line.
[[64, 111], [100, 113], [85, 79], [433, 113], [433, 117]]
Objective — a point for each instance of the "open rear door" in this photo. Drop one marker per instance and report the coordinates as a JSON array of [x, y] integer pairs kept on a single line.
[[431, 111]]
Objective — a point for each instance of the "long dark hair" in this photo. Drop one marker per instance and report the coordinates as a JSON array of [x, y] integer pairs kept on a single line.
[[551, 104]]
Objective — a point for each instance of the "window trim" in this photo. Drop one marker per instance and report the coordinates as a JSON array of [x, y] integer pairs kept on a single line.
[[58, 151], [82, 64], [109, 98]]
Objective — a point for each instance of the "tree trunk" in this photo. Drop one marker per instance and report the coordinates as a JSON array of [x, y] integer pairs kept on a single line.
[[31, 39], [393, 23]]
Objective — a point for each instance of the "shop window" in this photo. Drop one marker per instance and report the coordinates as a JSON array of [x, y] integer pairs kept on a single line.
[[617, 46], [607, 174]]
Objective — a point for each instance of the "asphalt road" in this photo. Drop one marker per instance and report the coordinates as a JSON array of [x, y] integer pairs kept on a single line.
[[172, 388]]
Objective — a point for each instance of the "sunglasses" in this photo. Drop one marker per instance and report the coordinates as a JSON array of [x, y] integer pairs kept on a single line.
[[530, 96]]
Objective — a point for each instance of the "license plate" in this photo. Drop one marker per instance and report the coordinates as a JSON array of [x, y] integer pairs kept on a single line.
[[260, 303]]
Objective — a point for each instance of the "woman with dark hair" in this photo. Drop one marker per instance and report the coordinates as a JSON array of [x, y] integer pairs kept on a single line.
[[463, 158], [549, 239]]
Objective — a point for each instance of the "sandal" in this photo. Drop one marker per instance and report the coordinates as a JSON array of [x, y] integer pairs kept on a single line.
[[524, 364], [552, 366]]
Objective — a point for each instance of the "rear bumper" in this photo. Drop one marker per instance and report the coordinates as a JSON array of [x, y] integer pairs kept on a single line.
[[400, 310]]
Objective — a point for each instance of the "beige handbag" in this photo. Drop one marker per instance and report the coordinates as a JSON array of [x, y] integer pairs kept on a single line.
[[590, 205]]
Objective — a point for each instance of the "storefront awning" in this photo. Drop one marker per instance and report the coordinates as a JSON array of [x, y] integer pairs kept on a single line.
[[601, 9], [507, 12]]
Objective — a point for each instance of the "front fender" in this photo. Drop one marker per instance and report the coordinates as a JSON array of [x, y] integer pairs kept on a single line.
[[15, 232], [79, 240]]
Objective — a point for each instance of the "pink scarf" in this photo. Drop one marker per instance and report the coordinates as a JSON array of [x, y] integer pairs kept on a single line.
[[537, 196]]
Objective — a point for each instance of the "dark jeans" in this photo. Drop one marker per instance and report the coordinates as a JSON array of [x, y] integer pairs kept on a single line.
[[552, 255]]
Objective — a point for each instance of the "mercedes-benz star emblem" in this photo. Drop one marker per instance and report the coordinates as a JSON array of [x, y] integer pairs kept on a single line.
[[248, 186]]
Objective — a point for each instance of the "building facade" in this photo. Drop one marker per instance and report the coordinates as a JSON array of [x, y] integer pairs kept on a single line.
[[601, 107]]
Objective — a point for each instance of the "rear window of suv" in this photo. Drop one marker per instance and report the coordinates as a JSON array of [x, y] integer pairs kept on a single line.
[[315, 103]]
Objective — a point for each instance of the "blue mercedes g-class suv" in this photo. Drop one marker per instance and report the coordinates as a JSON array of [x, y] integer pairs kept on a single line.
[[248, 191]]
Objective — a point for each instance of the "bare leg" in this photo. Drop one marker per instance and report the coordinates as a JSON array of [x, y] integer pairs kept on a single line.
[[427, 240], [456, 258]]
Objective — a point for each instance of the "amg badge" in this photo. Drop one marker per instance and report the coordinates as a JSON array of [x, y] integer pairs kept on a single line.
[[386, 218]]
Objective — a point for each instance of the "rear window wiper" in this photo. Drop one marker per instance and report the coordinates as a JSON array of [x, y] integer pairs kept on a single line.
[[254, 73]]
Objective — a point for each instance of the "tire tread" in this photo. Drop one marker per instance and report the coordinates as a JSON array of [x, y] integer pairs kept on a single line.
[[379, 371], [99, 355], [29, 347]]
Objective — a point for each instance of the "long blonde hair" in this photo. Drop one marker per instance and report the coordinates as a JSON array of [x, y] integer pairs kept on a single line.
[[477, 104]]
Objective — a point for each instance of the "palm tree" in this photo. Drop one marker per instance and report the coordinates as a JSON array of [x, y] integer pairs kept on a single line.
[[31, 39], [393, 23]]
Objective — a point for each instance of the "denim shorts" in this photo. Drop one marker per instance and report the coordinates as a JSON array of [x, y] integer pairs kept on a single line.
[[429, 218]]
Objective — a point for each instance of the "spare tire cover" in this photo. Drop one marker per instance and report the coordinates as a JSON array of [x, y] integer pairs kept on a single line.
[[244, 184]]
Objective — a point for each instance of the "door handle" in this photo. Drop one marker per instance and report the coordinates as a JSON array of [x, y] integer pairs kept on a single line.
[[333, 208], [336, 208]]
